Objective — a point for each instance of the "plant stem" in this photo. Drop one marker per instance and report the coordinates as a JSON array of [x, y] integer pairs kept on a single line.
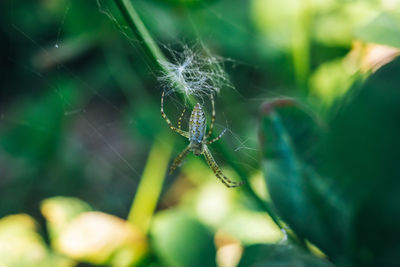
[[301, 45], [143, 36], [140, 31], [149, 189]]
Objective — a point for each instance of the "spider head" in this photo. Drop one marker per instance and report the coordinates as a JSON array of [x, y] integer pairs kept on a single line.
[[197, 148]]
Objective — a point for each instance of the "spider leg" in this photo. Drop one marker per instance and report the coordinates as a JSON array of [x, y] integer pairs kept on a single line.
[[217, 171], [179, 159], [212, 118], [180, 119], [179, 131], [217, 138]]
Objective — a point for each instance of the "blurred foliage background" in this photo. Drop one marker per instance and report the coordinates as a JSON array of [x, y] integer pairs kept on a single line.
[[313, 128]]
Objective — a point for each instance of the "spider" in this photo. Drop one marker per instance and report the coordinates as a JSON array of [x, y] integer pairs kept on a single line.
[[198, 140]]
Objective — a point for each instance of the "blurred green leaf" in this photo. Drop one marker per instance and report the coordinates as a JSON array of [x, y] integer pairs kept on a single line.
[[384, 29], [60, 211], [180, 240], [22, 246], [335, 22], [93, 237], [259, 227], [297, 191], [279, 255], [100, 238], [363, 146], [331, 80], [286, 24]]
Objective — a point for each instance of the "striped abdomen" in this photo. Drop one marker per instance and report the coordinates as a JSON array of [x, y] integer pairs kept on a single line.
[[197, 125]]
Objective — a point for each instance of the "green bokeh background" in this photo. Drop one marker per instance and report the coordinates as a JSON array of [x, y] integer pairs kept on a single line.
[[312, 111]]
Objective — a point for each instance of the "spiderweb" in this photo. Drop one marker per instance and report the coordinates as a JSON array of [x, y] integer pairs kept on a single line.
[[101, 119]]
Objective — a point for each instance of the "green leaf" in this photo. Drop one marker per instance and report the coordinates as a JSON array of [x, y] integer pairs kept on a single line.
[[95, 237], [308, 202], [22, 246], [60, 211], [384, 29], [331, 80], [279, 255], [180, 240], [283, 173], [364, 152], [102, 239]]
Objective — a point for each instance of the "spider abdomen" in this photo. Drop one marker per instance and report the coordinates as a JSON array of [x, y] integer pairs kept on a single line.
[[197, 125]]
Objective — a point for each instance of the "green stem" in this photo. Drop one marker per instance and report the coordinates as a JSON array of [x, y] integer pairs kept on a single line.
[[151, 183], [301, 45], [146, 41], [140, 31]]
